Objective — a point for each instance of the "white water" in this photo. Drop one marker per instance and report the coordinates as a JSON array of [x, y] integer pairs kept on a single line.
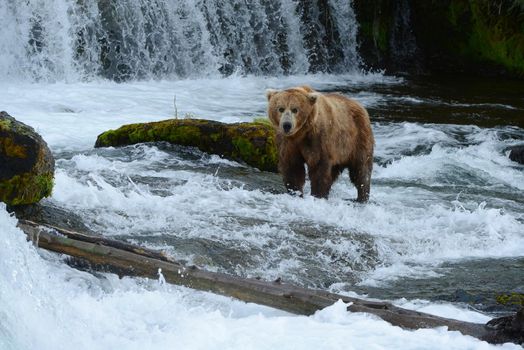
[[441, 193], [45, 305], [69, 40], [424, 211]]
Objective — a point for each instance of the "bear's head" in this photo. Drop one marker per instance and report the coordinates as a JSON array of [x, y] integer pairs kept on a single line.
[[291, 111]]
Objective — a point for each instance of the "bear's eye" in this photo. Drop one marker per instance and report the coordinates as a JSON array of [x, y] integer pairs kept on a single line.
[[281, 110], [294, 111]]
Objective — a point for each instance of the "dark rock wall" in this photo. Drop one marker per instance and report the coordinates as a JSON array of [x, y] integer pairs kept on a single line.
[[474, 37]]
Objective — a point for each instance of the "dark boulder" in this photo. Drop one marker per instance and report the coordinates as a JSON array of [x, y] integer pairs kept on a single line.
[[26, 163], [517, 154], [507, 329]]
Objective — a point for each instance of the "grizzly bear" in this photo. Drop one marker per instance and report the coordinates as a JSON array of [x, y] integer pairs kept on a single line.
[[328, 133]]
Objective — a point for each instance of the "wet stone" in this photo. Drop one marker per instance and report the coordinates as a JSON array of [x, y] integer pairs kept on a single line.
[[26, 163], [516, 154]]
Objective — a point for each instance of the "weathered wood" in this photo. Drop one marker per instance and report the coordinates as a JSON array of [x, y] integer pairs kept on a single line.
[[137, 261], [98, 239]]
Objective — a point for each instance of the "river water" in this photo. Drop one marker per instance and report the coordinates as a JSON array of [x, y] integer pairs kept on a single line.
[[444, 223], [445, 220], [442, 233]]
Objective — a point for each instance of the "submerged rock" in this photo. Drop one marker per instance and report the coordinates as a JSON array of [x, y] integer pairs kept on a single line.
[[251, 143], [517, 154], [46, 213], [507, 329], [26, 163]]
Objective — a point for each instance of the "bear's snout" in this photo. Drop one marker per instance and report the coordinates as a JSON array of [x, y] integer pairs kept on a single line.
[[287, 122]]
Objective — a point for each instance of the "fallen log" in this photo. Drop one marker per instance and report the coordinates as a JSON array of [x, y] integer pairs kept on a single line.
[[137, 261], [252, 143]]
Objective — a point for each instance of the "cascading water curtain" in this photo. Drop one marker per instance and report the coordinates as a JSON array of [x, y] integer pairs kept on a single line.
[[72, 40]]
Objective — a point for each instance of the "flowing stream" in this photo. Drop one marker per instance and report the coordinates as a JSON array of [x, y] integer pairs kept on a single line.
[[444, 226], [443, 196]]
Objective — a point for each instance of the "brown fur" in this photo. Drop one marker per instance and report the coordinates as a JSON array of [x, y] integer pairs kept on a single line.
[[328, 133]]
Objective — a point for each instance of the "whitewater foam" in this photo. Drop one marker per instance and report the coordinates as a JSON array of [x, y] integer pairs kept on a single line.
[[441, 193], [66, 40], [43, 302]]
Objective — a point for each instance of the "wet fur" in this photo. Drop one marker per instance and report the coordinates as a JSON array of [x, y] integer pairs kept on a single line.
[[332, 133]]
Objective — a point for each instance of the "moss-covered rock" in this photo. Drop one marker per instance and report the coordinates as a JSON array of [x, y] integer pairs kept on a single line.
[[251, 143], [26, 163]]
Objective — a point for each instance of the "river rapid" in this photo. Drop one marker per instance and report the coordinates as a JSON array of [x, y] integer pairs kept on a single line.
[[442, 233], [444, 226]]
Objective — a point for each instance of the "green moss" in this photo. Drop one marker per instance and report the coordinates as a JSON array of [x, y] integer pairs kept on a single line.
[[510, 299], [140, 133], [375, 23], [185, 135], [484, 33], [10, 124], [269, 158], [46, 183], [9, 148], [244, 147], [493, 38], [262, 120], [215, 136], [26, 188], [31, 179], [252, 143], [377, 31], [256, 146], [5, 124], [108, 138]]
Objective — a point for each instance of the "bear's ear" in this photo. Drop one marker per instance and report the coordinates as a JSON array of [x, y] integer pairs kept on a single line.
[[270, 93], [307, 88], [312, 97]]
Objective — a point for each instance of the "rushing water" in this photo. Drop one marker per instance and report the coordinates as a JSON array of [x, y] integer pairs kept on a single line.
[[130, 39], [442, 193], [444, 224]]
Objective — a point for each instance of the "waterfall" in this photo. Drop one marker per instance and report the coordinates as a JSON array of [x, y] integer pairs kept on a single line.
[[70, 40]]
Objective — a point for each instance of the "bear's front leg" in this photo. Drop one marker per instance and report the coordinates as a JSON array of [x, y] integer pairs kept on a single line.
[[321, 178], [363, 185], [360, 176], [294, 174]]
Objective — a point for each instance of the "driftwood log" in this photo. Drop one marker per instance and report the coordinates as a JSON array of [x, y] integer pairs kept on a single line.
[[128, 259]]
